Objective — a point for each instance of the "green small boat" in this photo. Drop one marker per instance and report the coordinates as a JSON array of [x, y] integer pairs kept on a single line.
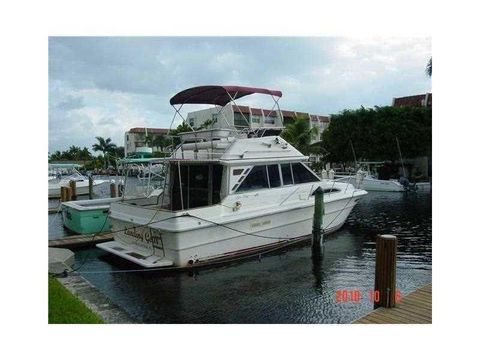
[[87, 216]]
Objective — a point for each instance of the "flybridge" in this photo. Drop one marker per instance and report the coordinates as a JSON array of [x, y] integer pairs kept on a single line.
[[211, 144]]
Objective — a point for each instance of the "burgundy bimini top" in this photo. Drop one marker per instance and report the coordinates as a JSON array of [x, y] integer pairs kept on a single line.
[[217, 95]]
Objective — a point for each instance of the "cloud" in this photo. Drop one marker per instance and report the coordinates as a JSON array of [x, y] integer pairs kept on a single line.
[[102, 86]]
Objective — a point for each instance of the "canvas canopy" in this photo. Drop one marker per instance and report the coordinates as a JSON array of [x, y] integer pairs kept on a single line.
[[217, 95]]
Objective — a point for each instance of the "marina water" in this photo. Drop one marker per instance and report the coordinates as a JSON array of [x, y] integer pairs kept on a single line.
[[287, 286]]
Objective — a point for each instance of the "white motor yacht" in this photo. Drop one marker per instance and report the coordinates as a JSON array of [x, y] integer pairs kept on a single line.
[[61, 175], [226, 193]]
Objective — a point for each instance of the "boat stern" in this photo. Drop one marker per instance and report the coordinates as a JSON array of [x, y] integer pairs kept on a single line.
[[135, 255]]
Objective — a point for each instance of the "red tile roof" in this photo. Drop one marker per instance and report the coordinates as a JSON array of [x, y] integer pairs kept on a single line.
[[424, 100], [140, 130], [256, 111], [242, 109]]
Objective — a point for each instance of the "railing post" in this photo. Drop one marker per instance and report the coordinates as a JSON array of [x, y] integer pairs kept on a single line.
[[385, 271]]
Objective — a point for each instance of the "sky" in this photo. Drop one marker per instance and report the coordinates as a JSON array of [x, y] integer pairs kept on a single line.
[[103, 86]]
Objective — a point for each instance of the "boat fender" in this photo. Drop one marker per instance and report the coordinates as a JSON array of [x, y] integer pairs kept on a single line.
[[324, 174]]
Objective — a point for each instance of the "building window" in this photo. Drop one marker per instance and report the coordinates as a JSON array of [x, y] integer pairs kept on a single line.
[[255, 119], [256, 179], [241, 119], [270, 119], [287, 174], [191, 121], [302, 175], [273, 176]]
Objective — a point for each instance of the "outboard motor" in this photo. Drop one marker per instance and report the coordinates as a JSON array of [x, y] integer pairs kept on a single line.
[[407, 184]]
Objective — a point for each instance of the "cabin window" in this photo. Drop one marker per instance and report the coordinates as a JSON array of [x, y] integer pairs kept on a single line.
[[200, 185], [273, 176], [256, 179], [302, 175], [287, 174], [237, 172]]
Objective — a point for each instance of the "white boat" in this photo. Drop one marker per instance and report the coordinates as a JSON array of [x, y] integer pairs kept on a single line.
[[226, 194], [61, 175], [370, 181]]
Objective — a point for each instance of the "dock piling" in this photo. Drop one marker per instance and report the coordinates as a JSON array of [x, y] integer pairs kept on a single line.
[[90, 187], [73, 187], [113, 190], [63, 193], [385, 271], [317, 229]]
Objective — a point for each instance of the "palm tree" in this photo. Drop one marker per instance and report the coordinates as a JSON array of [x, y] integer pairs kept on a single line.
[[105, 146], [428, 69], [300, 135]]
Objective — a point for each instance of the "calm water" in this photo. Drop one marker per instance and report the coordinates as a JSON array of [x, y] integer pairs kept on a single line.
[[290, 286]]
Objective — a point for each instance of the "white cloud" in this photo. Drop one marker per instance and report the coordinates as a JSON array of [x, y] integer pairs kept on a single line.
[[104, 86]]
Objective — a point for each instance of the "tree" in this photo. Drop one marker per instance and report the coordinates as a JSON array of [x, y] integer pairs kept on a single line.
[[300, 135], [160, 141], [373, 133], [428, 69], [106, 147]]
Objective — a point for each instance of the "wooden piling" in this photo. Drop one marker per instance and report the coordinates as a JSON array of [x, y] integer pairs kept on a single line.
[[63, 194], [317, 229], [73, 187], [121, 189], [68, 193], [385, 271], [113, 190], [90, 187]]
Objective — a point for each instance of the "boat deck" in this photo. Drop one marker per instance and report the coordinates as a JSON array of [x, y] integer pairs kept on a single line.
[[415, 308]]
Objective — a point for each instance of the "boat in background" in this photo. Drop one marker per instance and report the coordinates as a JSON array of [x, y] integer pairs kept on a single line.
[[227, 193], [370, 181], [91, 216], [61, 174]]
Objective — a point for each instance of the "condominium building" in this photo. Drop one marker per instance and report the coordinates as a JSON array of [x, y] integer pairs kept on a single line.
[[241, 117], [135, 139]]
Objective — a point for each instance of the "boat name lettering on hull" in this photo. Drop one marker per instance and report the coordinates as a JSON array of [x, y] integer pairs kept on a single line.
[[148, 236], [260, 223]]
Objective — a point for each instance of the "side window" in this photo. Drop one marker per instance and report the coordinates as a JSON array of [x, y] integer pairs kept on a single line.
[[256, 179], [302, 175], [287, 174], [273, 175]]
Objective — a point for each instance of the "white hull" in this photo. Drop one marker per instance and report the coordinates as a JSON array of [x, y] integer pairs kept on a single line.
[[81, 188], [372, 184], [185, 240]]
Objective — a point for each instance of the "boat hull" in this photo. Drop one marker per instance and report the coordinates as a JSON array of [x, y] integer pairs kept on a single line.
[[81, 188], [155, 246], [370, 184]]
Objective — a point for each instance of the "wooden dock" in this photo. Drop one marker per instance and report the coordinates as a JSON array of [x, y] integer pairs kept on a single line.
[[415, 308], [76, 241]]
